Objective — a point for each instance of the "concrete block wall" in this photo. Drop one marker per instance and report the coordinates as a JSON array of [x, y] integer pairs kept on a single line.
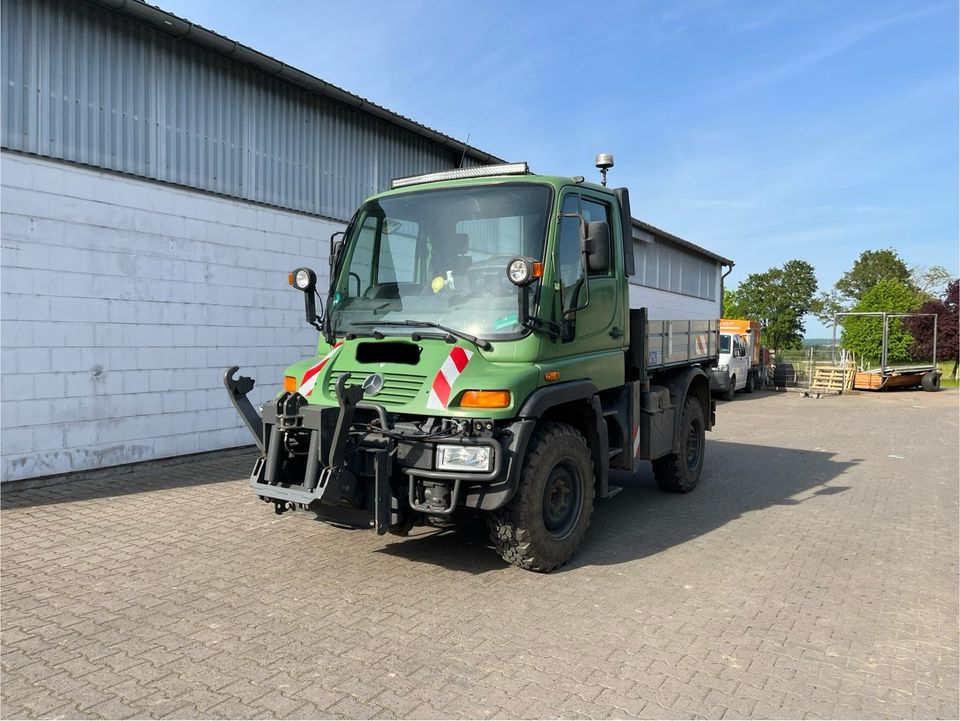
[[122, 301]]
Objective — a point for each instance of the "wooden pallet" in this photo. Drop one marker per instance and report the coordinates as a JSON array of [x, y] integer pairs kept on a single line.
[[835, 379]]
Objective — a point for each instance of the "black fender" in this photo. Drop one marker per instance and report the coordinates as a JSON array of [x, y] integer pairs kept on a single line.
[[589, 418], [681, 384], [542, 399]]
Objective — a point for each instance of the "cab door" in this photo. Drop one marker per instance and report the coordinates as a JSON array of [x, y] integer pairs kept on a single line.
[[597, 342]]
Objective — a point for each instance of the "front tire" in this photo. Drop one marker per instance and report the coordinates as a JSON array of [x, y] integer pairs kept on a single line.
[[728, 394], [680, 472], [546, 520]]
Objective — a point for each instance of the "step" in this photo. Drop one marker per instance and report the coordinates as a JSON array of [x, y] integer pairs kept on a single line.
[[613, 490]]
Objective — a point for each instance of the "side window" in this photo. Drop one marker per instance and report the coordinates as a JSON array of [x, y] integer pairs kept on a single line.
[[361, 262], [594, 210], [568, 253]]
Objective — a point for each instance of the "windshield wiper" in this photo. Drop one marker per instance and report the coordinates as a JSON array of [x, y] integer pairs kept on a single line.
[[478, 342]]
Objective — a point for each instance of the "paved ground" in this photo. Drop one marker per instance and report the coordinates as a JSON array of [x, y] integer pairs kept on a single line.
[[813, 574]]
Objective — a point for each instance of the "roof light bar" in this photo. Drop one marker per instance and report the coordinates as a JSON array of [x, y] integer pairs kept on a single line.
[[481, 171]]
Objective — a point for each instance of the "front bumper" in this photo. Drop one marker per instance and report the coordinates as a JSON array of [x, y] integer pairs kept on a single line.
[[359, 466], [719, 380]]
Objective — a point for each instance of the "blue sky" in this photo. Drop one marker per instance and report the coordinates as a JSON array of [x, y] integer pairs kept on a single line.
[[763, 131]]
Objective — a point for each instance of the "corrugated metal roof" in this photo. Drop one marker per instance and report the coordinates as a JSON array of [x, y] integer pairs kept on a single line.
[[191, 32]]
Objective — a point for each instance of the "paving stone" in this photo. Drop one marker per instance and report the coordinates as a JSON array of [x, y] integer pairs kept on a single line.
[[811, 575]]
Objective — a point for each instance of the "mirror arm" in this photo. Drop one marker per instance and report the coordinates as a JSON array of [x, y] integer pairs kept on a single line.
[[333, 254], [584, 283], [310, 309], [527, 321]]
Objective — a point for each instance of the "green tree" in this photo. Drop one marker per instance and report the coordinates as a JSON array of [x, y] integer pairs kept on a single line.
[[870, 268], [864, 336], [779, 299], [731, 306]]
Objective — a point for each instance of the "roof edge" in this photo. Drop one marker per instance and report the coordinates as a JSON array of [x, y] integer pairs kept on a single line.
[[654, 230]]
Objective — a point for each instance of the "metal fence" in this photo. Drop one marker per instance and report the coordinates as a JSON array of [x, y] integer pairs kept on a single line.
[[822, 370]]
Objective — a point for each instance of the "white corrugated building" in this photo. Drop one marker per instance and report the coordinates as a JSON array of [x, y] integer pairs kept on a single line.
[[157, 180]]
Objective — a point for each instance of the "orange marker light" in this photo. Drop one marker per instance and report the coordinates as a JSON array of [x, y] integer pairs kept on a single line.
[[485, 399], [538, 270], [290, 278], [290, 384], [551, 376]]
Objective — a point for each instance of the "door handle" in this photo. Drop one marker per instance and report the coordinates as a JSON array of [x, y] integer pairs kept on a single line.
[[616, 332]]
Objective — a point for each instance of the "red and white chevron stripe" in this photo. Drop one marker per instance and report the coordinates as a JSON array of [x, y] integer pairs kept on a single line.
[[701, 345], [451, 369], [309, 381]]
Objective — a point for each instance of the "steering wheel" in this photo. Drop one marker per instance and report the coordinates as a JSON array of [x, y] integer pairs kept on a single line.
[[489, 275]]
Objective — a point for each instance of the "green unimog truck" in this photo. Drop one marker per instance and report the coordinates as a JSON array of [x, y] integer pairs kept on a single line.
[[478, 352]]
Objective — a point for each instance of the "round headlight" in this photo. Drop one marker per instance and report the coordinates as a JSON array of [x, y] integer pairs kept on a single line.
[[519, 271], [303, 279]]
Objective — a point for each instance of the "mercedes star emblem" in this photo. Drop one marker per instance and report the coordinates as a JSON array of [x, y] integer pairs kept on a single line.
[[372, 384]]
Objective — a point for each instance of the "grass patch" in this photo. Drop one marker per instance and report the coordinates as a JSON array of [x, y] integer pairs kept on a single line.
[[946, 381]]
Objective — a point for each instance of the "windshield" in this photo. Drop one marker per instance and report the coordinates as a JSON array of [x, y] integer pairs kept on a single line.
[[724, 344], [440, 256]]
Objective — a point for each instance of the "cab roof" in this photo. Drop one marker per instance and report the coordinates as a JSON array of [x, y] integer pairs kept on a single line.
[[520, 173]]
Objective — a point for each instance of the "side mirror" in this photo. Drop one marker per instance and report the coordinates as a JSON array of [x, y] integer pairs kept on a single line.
[[596, 245], [335, 247], [335, 252]]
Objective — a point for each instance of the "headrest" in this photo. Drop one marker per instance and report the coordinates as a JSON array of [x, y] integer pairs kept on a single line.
[[461, 243]]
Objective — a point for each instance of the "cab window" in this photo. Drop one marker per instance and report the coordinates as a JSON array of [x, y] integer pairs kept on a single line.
[[592, 211], [569, 268]]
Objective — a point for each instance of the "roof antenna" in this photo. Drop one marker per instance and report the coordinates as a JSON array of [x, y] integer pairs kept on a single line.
[[464, 156], [604, 162]]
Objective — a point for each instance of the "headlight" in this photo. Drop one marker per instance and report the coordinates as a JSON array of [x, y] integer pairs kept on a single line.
[[522, 271], [464, 458], [303, 279], [723, 367]]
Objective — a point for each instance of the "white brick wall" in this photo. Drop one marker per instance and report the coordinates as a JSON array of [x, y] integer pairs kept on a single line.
[[122, 301]]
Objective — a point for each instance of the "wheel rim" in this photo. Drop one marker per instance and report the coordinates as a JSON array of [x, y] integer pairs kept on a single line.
[[693, 444], [561, 501]]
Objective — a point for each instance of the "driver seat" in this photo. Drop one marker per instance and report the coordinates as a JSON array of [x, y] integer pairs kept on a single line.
[[461, 261]]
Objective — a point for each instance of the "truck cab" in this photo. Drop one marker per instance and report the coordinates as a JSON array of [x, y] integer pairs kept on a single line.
[[739, 366], [478, 353], [732, 368]]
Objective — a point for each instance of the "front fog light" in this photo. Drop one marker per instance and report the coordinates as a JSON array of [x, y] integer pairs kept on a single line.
[[464, 458]]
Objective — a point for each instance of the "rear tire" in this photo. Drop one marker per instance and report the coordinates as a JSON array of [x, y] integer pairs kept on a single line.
[[728, 394], [750, 381], [544, 523], [930, 381], [680, 472]]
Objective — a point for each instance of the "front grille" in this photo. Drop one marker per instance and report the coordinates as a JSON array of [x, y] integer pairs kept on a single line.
[[398, 388]]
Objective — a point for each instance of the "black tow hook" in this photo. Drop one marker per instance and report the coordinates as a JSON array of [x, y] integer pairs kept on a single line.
[[281, 507]]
